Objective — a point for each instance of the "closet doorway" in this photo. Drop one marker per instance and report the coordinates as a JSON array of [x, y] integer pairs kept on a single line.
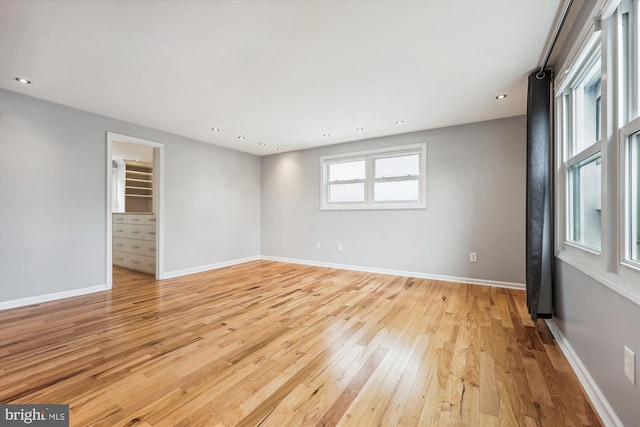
[[135, 208]]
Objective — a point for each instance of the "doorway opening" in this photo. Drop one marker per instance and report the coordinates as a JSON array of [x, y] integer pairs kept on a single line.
[[135, 206]]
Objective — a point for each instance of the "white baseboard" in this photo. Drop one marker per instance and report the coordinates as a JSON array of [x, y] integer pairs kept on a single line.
[[483, 282], [600, 403], [5, 305], [208, 267]]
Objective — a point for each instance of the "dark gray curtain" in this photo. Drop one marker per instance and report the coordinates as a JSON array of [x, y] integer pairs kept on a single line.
[[539, 197]]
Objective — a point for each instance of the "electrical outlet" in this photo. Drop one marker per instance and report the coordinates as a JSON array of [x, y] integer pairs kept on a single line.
[[630, 365], [318, 245], [340, 247], [473, 257]]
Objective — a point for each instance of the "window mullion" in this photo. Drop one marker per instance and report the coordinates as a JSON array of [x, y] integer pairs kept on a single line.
[[346, 181], [397, 178], [370, 174]]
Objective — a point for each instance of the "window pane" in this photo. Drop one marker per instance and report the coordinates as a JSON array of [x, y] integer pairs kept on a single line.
[[396, 191], [397, 166], [346, 192], [568, 118], [625, 54], [586, 201], [347, 171], [634, 196], [592, 113]]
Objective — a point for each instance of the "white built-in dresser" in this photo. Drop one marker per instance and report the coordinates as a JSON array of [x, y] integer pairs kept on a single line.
[[134, 241]]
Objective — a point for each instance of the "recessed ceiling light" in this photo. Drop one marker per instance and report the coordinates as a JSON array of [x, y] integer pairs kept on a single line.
[[278, 149], [23, 80], [502, 96], [326, 135], [241, 137], [399, 122], [262, 144], [359, 129], [215, 129]]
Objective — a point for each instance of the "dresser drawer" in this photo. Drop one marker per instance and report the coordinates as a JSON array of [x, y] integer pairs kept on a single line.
[[119, 244], [120, 230], [150, 234], [120, 258], [135, 247], [142, 263], [119, 218], [150, 248], [135, 231], [149, 265], [135, 219]]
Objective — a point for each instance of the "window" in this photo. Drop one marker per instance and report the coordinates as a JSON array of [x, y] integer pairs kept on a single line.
[[396, 178], [629, 49], [585, 202], [582, 104], [598, 150], [628, 127], [631, 184], [634, 197], [393, 178], [346, 181]]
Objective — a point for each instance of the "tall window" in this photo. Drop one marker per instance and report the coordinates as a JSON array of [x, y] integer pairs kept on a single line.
[[632, 211], [582, 102], [628, 127], [598, 151], [393, 178]]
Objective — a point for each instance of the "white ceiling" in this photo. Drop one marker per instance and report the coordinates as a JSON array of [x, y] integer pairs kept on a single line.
[[279, 72]]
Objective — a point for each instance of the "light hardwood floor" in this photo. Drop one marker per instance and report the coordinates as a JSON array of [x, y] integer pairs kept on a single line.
[[267, 343]]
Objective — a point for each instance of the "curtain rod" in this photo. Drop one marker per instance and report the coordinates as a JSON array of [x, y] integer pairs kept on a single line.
[[554, 39]]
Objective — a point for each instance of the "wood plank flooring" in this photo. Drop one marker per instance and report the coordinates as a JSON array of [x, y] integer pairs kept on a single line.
[[275, 344]]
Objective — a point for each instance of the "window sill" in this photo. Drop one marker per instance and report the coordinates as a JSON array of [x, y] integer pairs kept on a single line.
[[586, 249], [626, 288]]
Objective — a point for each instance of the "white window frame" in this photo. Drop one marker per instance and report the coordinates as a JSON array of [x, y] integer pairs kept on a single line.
[[610, 266], [626, 267], [572, 130], [369, 157], [627, 264]]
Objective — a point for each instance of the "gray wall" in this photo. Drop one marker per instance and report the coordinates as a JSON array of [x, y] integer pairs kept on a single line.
[[53, 198], [598, 322], [475, 203]]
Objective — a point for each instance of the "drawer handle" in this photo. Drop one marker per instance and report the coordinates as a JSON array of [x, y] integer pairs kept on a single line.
[[135, 247], [152, 220], [135, 262], [152, 232], [135, 219], [119, 244], [119, 231], [135, 232]]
